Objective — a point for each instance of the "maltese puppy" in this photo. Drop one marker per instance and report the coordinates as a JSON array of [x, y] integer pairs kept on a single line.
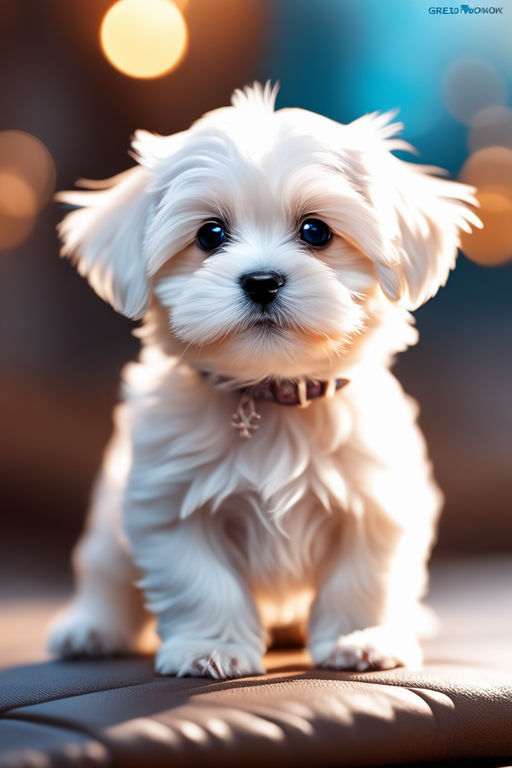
[[266, 470]]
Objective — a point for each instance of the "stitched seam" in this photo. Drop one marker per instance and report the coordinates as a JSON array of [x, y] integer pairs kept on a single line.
[[215, 687], [200, 689]]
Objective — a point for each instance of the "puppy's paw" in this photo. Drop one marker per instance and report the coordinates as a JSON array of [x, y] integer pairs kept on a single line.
[[77, 633], [367, 649], [207, 658]]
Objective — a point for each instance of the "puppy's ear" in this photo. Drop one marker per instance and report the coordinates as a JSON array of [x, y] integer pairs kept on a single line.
[[104, 237], [419, 215]]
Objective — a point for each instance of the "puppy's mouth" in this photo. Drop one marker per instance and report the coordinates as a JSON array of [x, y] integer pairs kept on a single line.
[[264, 322], [267, 323]]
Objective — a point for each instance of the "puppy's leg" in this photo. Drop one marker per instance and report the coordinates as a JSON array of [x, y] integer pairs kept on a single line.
[[206, 616], [106, 612], [367, 613]]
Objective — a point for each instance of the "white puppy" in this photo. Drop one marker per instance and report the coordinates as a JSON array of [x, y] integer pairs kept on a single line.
[[265, 467]]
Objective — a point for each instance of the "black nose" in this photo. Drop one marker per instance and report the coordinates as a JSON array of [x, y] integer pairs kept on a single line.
[[262, 287]]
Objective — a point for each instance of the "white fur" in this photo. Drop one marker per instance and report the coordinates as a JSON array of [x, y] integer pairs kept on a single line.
[[327, 511]]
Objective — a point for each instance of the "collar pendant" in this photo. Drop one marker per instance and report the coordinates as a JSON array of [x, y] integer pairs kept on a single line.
[[246, 418]]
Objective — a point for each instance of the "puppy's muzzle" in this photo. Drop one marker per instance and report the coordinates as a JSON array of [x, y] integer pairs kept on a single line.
[[262, 287]]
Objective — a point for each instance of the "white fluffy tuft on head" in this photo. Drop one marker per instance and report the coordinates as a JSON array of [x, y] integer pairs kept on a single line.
[[256, 97]]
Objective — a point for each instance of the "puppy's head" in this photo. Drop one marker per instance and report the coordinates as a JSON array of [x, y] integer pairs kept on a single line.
[[268, 237]]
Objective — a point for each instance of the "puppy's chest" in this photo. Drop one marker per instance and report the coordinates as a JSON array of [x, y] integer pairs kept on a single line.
[[284, 557]]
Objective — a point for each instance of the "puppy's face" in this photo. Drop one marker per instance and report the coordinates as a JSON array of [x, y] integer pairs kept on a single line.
[[264, 233], [266, 283]]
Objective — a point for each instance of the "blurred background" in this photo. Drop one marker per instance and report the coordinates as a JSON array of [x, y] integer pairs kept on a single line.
[[79, 77]]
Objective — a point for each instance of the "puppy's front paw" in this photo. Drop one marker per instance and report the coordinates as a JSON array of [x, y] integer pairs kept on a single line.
[[207, 658], [371, 648], [76, 633]]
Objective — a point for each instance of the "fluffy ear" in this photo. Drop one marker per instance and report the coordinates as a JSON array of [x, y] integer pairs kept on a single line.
[[104, 237], [420, 216]]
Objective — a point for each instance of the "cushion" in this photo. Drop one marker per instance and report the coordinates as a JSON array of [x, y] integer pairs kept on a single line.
[[457, 707]]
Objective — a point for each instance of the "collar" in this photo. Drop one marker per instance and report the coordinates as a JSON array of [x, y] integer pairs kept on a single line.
[[300, 393]]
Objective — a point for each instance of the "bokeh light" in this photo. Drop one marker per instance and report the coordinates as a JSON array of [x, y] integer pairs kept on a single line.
[[27, 180], [470, 85], [144, 38], [490, 171], [17, 198], [492, 245], [489, 168], [491, 126]]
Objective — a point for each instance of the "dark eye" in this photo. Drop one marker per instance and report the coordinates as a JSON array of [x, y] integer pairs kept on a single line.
[[315, 232], [211, 235]]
